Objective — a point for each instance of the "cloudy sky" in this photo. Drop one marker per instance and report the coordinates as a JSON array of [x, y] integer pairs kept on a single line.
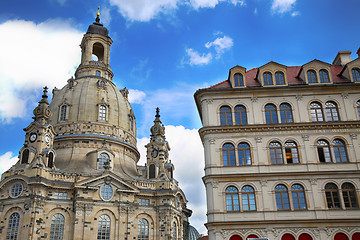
[[163, 51]]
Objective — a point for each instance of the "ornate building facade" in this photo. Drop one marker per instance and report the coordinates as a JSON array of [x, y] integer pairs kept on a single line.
[[77, 176], [282, 151]]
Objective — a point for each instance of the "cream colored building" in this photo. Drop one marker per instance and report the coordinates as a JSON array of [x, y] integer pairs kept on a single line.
[[77, 176], [282, 151]]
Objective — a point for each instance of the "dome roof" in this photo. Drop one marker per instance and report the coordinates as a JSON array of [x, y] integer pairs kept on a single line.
[[193, 233], [98, 28]]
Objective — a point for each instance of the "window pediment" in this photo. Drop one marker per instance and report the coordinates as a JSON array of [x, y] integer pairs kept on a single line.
[[237, 76], [272, 74], [316, 72]]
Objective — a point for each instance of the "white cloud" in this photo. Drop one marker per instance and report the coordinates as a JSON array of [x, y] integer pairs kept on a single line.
[[136, 96], [34, 55], [197, 59], [255, 11], [6, 161], [141, 71], [295, 13], [220, 44], [105, 16], [187, 155], [282, 6]]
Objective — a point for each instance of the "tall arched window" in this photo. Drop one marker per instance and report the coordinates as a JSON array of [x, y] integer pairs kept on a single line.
[[25, 156], [340, 151], [225, 116], [57, 227], [143, 229], [311, 75], [286, 113], [358, 107], [324, 76], [235, 237], [104, 227], [63, 111], [152, 169], [349, 195], [316, 112], [103, 160], [244, 154], [13, 226], [238, 79], [232, 199], [282, 197], [271, 114], [174, 231], [279, 78], [323, 149], [51, 160], [240, 115], [248, 198], [268, 79], [332, 196], [228, 154], [298, 196], [287, 236], [356, 74], [341, 236], [276, 155], [305, 236], [102, 112], [332, 113], [291, 152]]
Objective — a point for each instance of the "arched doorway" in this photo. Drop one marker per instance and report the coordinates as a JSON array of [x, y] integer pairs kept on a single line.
[[287, 236], [235, 237], [341, 236], [305, 236]]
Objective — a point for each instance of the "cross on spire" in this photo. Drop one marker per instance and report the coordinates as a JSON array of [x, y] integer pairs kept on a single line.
[[45, 92], [157, 112], [98, 15]]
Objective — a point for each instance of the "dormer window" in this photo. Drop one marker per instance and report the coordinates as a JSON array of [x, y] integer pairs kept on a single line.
[[103, 160], [279, 78], [25, 156], [356, 74], [98, 73], [238, 80], [311, 75], [268, 79], [324, 76], [102, 112]]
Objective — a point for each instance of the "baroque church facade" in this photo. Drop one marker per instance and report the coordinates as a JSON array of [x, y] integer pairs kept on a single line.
[[282, 151], [77, 176]]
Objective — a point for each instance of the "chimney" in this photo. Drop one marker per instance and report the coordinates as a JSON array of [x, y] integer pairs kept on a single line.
[[342, 58]]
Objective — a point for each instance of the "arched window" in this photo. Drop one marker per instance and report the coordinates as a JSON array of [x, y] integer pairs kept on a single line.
[[287, 236], [238, 79], [225, 116], [240, 115], [232, 199], [282, 197], [358, 107], [175, 231], [298, 196], [252, 236], [279, 78], [291, 152], [356, 74], [341, 236], [286, 113], [316, 112], [104, 227], [103, 160], [332, 196], [228, 154], [268, 78], [16, 190], [235, 237], [143, 229], [106, 192], [356, 236], [63, 111], [102, 112], [340, 151], [248, 198], [276, 155], [152, 169], [349, 195], [305, 236], [311, 75], [25, 156], [98, 73], [271, 114], [57, 227], [324, 76], [98, 51], [13, 226], [323, 149], [244, 154], [332, 113], [51, 160]]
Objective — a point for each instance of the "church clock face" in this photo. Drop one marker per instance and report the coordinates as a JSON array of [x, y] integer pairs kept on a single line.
[[47, 139], [33, 137], [154, 153]]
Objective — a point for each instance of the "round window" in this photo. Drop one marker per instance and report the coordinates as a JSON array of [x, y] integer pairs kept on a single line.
[[16, 190], [106, 192]]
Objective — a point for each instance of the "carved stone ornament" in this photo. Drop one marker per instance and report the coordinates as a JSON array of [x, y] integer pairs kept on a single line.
[[305, 137], [344, 95], [299, 97], [313, 181], [353, 135], [254, 99], [258, 139], [209, 101], [215, 184], [212, 140], [263, 183]]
